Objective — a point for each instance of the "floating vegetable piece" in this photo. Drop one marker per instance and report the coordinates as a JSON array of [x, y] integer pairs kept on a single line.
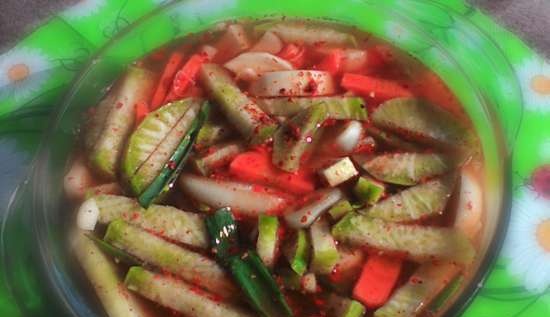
[[390, 139], [155, 140], [113, 120], [119, 255], [414, 296], [179, 296], [78, 179], [216, 157], [309, 283], [211, 133], [419, 243], [293, 83], [337, 107], [368, 191], [378, 278], [324, 252], [347, 269], [186, 77], [295, 137], [415, 203], [167, 177], [299, 32], [296, 251], [340, 209], [170, 69], [316, 204], [350, 138], [375, 88], [344, 307], [268, 239], [103, 275], [256, 167], [246, 268], [469, 217], [269, 43], [245, 199], [191, 266], [253, 124], [339, 172], [233, 42], [404, 168], [251, 65], [420, 121]]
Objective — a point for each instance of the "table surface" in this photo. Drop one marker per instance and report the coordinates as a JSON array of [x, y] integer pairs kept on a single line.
[[528, 18]]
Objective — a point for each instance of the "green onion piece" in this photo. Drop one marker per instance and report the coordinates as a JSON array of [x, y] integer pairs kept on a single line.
[[113, 251], [247, 268], [164, 182]]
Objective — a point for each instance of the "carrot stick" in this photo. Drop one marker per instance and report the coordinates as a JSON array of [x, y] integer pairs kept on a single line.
[[377, 280], [166, 78]]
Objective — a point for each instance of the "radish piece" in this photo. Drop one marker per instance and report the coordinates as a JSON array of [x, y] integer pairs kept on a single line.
[[209, 51], [269, 43], [250, 66], [233, 42], [470, 204], [246, 199], [348, 139], [78, 179], [354, 60], [295, 54], [317, 204], [87, 215], [293, 83]]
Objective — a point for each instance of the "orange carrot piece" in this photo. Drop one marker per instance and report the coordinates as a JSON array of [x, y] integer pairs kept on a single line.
[[172, 66], [378, 278], [375, 88]]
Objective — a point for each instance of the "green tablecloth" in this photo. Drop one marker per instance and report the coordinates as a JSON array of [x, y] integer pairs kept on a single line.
[[37, 71]]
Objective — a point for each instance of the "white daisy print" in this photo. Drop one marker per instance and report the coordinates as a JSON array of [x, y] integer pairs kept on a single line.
[[534, 77], [83, 9], [527, 244], [23, 71]]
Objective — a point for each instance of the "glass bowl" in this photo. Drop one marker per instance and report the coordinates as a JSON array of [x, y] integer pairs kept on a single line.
[[41, 275]]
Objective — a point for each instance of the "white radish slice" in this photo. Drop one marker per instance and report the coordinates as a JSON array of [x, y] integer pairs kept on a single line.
[[269, 43], [209, 51], [348, 139], [354, 60], [470, 204], [78, 179], [294, 83], [249, 66], [320, 202], [246, 199], [233, 42], [87, 215]]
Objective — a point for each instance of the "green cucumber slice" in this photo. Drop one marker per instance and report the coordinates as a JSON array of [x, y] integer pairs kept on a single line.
[[168, 175], [103, 275], [340, 209], [337, 107], [390, 139], [368, 191], [268, 239], [243, 113], [421, 121], [417, 202], [178, 295], [414, 296], [420, 243], [296, 251], [191, 266], [404, 168], [344, 307], [324, 252], [300, 32], [155, 140], [113, 121]]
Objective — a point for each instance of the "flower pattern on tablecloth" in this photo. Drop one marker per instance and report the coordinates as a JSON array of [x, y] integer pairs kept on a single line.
[[527, 244], [534, 77], [23, 71]]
